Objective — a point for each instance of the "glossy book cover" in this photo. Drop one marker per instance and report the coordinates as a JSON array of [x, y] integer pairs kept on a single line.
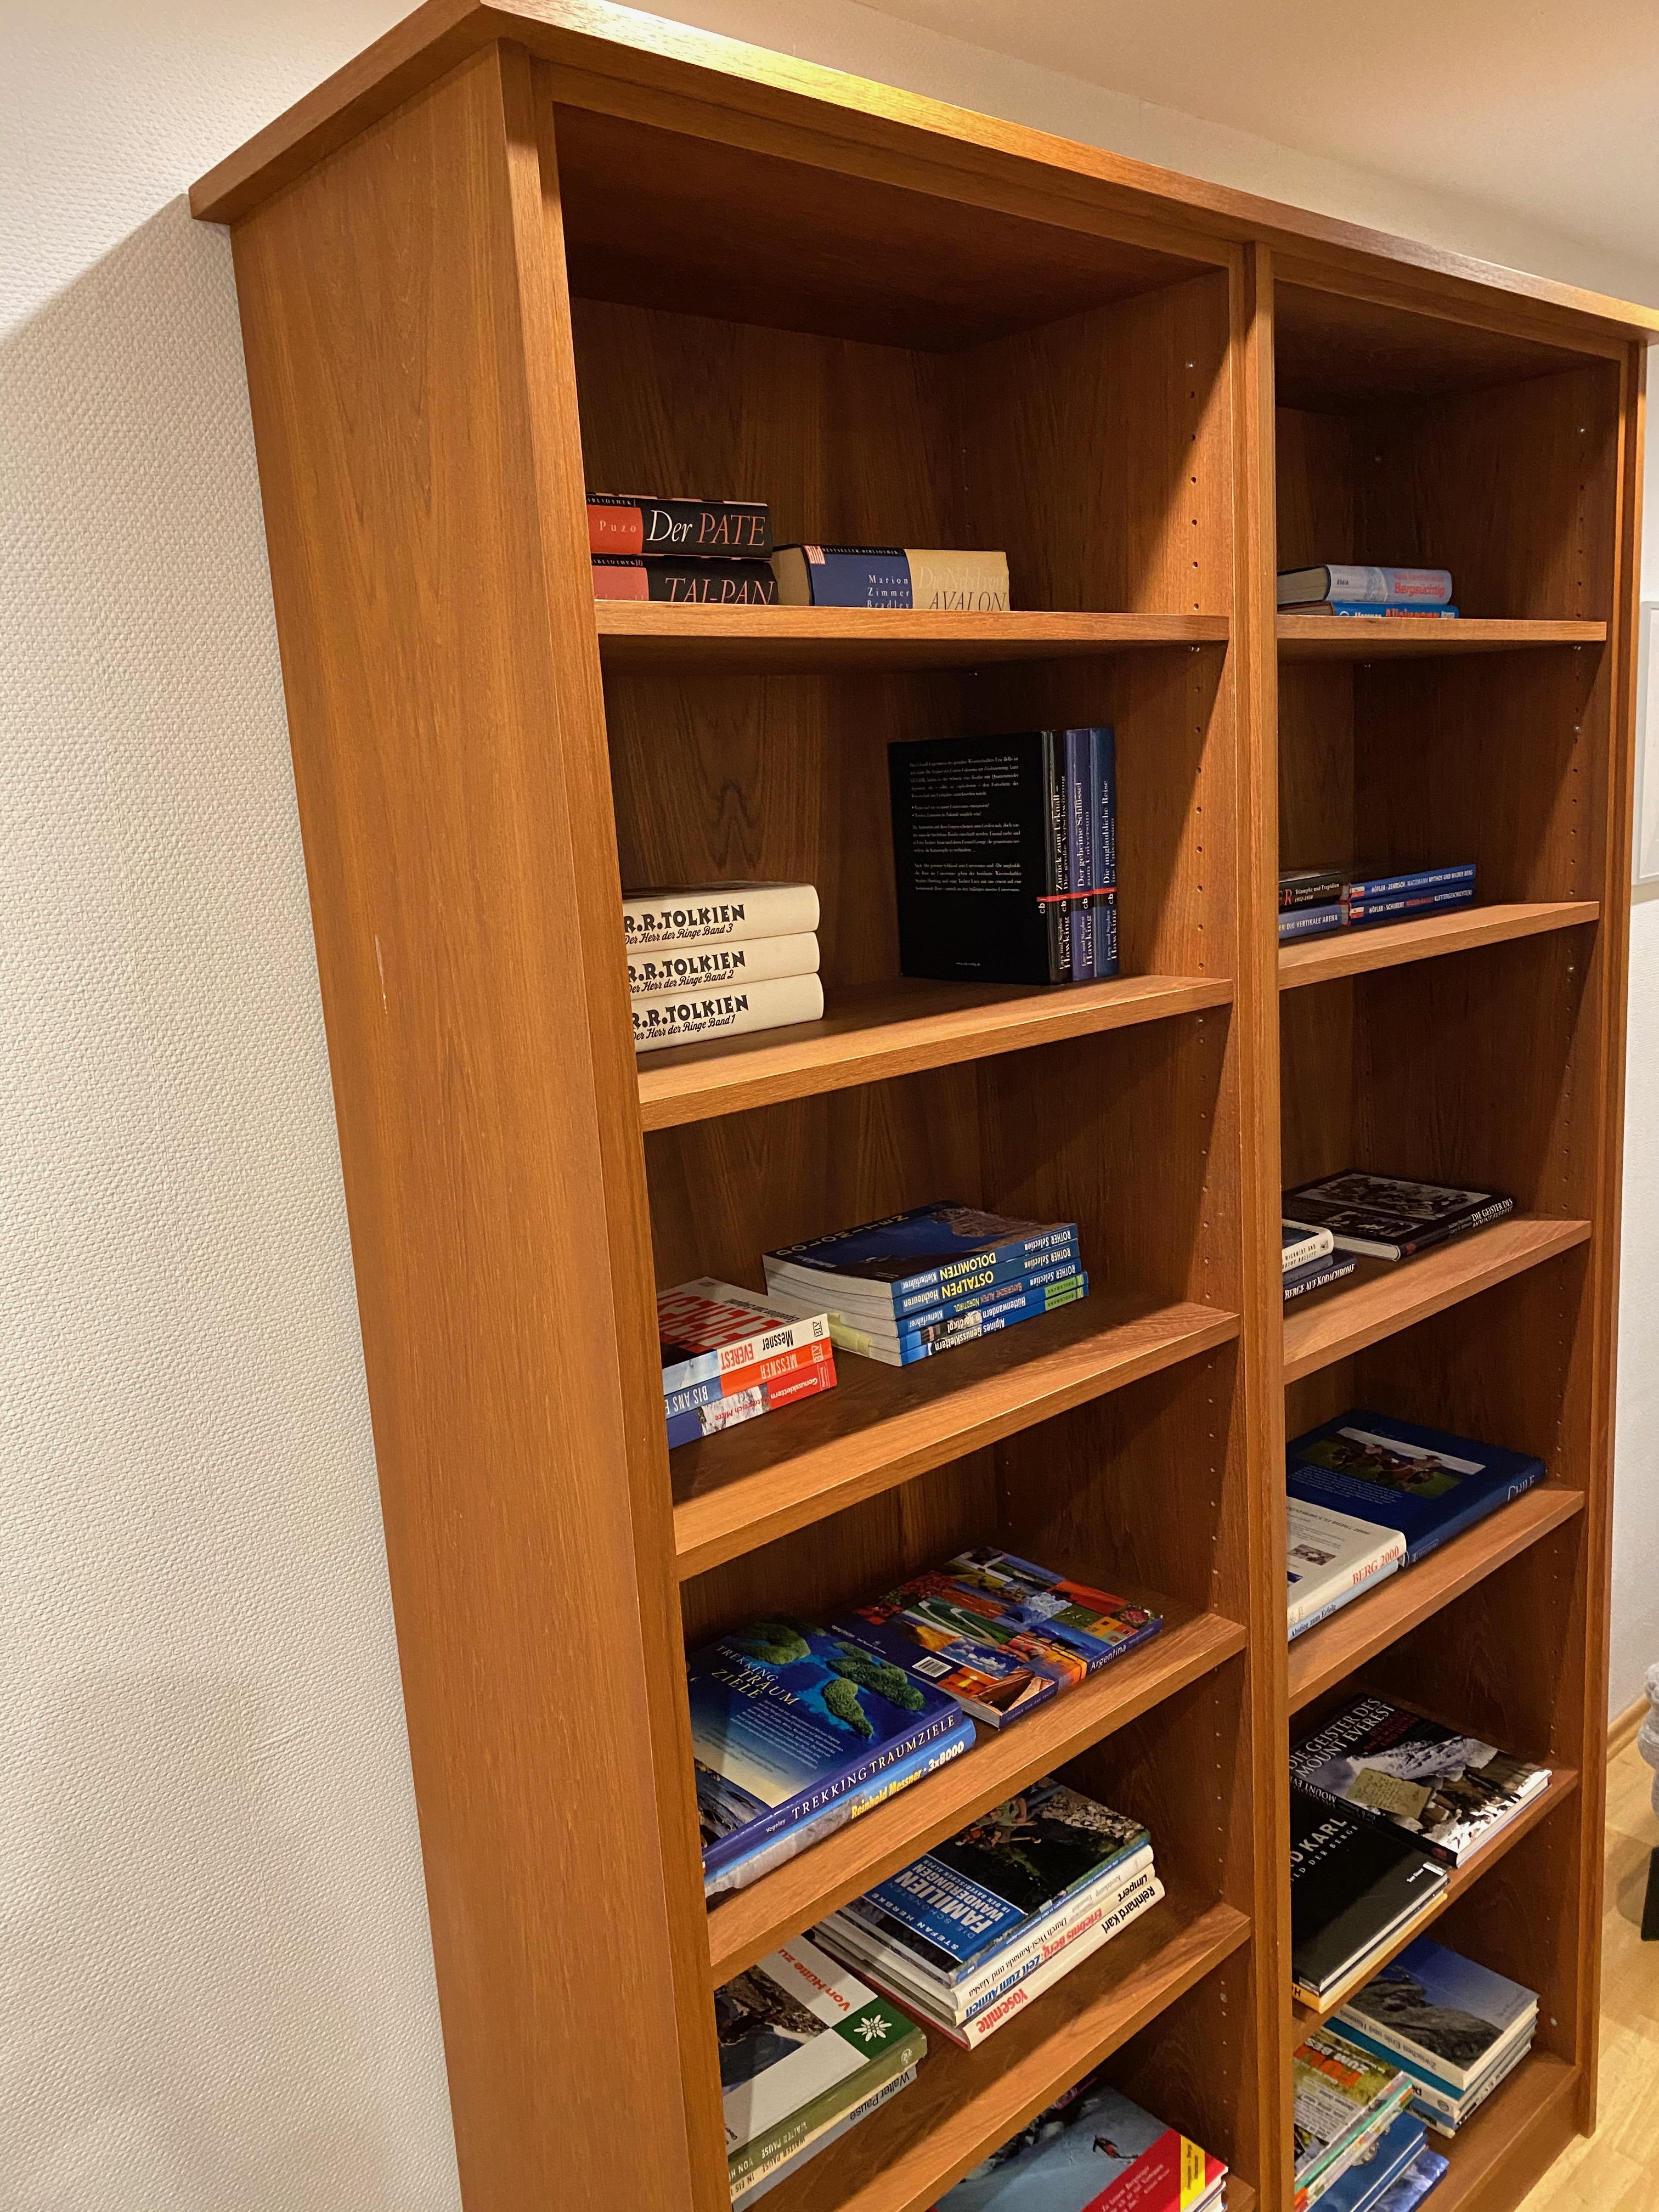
[[1093, 2150], [1426, 1483]]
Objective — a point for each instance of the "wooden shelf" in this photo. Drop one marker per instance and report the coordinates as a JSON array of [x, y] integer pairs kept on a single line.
[[1354, 952], [746, 1926], [1383, 1297], [1324, 1656], [779, 641], [889, 1029], [964, 2103], [882, 1426], [1520, 2129], [1563, 1781], [1382, 637]]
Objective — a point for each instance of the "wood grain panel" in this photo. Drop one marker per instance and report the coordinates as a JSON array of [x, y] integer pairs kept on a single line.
[[1385, 637], [1393, 945], [795, 640]]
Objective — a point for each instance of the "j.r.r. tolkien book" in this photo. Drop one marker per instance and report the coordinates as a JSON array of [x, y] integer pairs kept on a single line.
[[716, 913], [1382, 1217], [928, 1253], [1426, 1483], [1093, 2150], [928, 577], [1353, 1888], [686, 583], [723, 529], [802, 2044], [1329, 1558], [1446, 2019], [720, 967], [983, 860], [1449, 1792], [1046, 1632], [736, 1010], [787, 1718], [1318, 1274]]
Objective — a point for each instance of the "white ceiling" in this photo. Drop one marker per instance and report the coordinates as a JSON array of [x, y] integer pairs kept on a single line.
[[1546, 108]]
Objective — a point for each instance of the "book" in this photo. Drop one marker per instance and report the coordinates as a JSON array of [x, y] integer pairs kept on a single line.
[[727, 529], [1363, 2187], [773, 1852], [716, 913], [718, 967], [1358, 608], [982, 863], [1387, 1764], [1317, 1274], [1426, 1483], [1300, 1248], [772, 2170], [902, 1348], [1408, 904], [786, 1718], [1353, 1888], [785, 1369], [802, 2043], [891, 576], [935, 1249], [1093, 2150], [943, 1628], [1426, 2172], [1330, 1558], [855, 1314], [1446, 2019], [1354, 584], [682, 1017], [686, 583], [1381, 883], [790, 1380], [1342, 2099], [1383, 1217], [1311, 921], [707, 1328], [1432, 2110], [1080, 822], [1300, 887]]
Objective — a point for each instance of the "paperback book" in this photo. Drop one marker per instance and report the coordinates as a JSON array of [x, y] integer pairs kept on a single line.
[[1407, 904], [1380, 1217], [1386, 2158], [782, 2163], [795, 1379], [1446, 2118], [1367, 885], [1446, 2019], [1353, 1889], [721, 967], [1311, 921], [1344, 2100], [892, 576], [708, 1330], [1093, 2150], [859, 1322], [1426, 2172], [727, 529], [888, 1268], [1330, 1558], [1359, 584], [686, 583], [786, 1718], [716, 913], [902, 1348], [1425, 1486], [1385, 1764], [1352, 608]]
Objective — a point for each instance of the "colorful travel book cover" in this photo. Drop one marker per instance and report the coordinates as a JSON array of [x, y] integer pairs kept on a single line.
[[1340, 2092], [801, 2042], [1046, 1632], [1363, 2187], [786, 1718], [707, 1329], [972, 1894], [1386, 1763], [1426, 1483], [1426, 2172], [1330, 1558], [1093, 2150], [1441, 2015], [929, 1246]]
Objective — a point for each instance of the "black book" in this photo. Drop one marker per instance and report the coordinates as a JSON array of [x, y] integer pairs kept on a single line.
[[703, 582], [1353, 1888], [678, 529], [979, 857], [1382, 1217], [1304, 887]]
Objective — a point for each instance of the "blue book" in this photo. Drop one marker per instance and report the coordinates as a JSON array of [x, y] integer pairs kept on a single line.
[[1103, 751], [1429, 1484], [1368, 2181], [1398, 609], [1312, 922], [1079, 852], [1426, 2172], [1386, 883], [1298, 1281], [1446, 2019], [913, 1344], [1409, 903], [851, 575], [786, 1718], [930, 1249]]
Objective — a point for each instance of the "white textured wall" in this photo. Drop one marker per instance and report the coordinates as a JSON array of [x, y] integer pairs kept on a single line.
[[216, 1987]]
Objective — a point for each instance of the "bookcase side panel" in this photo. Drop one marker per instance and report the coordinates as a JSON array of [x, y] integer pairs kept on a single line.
[[443, 753]]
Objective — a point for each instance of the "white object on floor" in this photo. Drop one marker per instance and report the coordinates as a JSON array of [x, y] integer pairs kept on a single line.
[[1647, 1740]]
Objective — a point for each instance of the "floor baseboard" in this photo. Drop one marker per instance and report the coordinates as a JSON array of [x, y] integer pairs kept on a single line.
[[1621, 1732]]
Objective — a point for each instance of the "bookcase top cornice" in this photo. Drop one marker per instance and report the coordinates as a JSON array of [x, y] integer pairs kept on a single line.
[[619, 60]]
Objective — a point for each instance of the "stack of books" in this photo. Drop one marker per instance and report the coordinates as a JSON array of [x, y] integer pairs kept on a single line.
[[891, 576], [975, 1931], [683, 551], [796, 1730], [712, 960], [1310, 1259], [1093, 2150], [1455, 2028], [727, 1358], [1355, 1890], [1314, 902], [929, 1280], [1004, 856], [1382, 1217], [1357, 588], [1345, 2105], [1394, 2173], [1369, 1494], [806, 2053]]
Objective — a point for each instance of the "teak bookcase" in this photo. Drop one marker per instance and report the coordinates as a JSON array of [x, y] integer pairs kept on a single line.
[[517, 247]]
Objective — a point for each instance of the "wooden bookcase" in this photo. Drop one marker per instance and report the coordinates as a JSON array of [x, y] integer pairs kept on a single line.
[[517, 247]]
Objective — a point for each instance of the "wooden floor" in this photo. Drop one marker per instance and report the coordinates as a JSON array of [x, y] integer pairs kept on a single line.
[[1617, 2169]]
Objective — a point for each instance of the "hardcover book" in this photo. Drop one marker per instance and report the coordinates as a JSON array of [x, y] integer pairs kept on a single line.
[[892, 576], [1311, 921], [1343, 2099], [716, 913], [1385, 1765], [1317, 1274], [935, 1249], [1300, 887], [1432, 2110], [1358, 583], [782, 2162], [1364, 2186], [1383, 1217], [1426, 1483], [1446, 2019], [729, 529], [1353, 1888], [1426, 2172], [1330, 1558], [1409, 903], [686, 583], [718, 967], [787, 1718], [938, 1628], [1093, 2150], [1367, 884], [1300, 1247], [802, 2042], [684, 1017]]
